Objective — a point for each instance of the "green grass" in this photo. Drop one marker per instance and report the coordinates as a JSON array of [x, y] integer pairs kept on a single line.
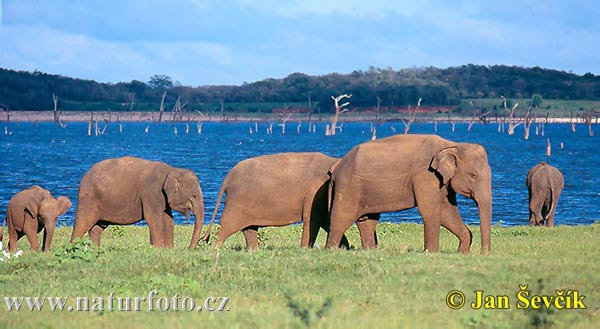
[[283, 286], [556, 107]]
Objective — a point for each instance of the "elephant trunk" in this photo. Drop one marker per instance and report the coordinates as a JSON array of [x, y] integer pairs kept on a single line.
[[198, 210], [484, 204]]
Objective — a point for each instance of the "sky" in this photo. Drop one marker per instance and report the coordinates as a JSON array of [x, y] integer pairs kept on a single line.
[[208, 42]]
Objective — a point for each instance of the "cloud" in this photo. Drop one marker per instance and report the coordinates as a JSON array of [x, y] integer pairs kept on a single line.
[[78, 55], [217, 42]]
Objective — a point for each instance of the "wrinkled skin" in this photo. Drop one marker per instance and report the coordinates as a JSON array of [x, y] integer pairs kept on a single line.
[[544, 183], [407, 171], [276, 190], [30, 211], [126, 190]]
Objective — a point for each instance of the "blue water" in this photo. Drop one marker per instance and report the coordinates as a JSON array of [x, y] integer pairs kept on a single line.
[[56, 158]]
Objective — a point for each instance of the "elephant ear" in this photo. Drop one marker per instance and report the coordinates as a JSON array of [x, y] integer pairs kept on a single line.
[[171, 184], [33, 207], [444, 163], [63, 204]]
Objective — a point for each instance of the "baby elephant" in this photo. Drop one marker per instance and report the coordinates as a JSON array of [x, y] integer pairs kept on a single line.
[[275, 190], [28, 212], [545, 183], [124, 191]]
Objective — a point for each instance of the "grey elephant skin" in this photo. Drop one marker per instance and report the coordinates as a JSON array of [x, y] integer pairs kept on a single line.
[[275, 190], [407, 171], [30, 211], [126, 190], [545, 184]]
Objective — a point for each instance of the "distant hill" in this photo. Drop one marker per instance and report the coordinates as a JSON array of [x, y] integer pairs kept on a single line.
[[438, 87]]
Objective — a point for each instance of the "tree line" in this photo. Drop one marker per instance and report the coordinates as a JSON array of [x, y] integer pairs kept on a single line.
[[385, 87]]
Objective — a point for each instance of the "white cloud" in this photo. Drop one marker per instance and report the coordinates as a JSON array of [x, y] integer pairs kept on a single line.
[[39, 48]]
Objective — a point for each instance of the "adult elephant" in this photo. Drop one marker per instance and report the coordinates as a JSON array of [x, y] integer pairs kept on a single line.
[[126, 190], [276, 190], [407, 171], [30, 211], [545, 184]]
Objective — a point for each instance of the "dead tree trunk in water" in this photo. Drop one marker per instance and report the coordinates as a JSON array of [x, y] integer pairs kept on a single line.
[[90, 123], [56, 115], [162, 107], [587, 120], [310, 110], [176, 110], [222, 110], [448, 111], [528, 121], [282, 124], [572, 123], [339, 109], [411, 117], [511, 123]]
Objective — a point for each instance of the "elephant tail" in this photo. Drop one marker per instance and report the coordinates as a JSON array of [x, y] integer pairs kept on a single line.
[[206, 236], [331, 185]]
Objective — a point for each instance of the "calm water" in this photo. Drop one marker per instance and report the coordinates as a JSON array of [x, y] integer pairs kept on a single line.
[[57, 158]]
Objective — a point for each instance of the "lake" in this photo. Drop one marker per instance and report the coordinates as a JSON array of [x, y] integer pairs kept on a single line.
[[56, 158]]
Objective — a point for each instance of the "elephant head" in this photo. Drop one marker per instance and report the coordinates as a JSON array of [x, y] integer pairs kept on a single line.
[[183, 195], [47, 209], [464, 168]]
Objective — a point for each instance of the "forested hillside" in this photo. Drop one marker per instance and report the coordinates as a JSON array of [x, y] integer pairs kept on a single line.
[[391, 88]]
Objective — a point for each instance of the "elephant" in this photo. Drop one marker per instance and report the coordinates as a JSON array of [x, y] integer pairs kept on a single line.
[[406, 171], [275, 190], [126, 190], [545, 184], [30, 211]]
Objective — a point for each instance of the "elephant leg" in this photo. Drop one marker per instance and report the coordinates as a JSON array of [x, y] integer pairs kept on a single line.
[[96, 233], [428, 202], [308, 231], [366, 227], [168, 230], [32, 235], [84, 221], [550, 220], [251, 235], [341, 220], [535, 211], [13, 239], [451, 220], [311, 215], [156, 230], [226, 229]]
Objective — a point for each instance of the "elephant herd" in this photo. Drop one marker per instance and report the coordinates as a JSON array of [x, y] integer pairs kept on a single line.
[[385, 175]]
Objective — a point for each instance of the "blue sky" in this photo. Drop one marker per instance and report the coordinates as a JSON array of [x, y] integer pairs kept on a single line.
[[201, 42]]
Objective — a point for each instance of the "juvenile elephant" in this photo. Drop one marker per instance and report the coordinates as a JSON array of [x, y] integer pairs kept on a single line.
[[407, 171], [30, 211], [545, 183], [275, 190], [126, 190]]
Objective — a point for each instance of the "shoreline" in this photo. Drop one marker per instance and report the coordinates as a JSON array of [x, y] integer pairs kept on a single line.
[[150, 117]]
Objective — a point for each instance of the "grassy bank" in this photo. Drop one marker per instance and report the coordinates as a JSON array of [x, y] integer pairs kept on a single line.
[[284, 286], [555, 107]]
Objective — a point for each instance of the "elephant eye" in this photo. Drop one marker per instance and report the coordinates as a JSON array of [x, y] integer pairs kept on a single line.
[[473, 176]]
